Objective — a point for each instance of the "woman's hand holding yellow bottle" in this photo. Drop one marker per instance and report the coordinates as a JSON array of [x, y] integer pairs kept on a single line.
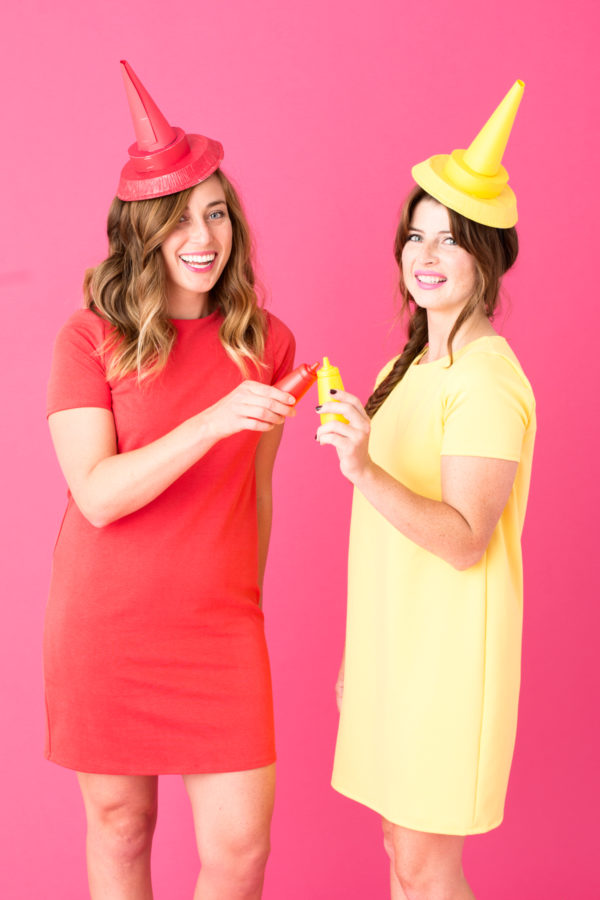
[[350, 438]]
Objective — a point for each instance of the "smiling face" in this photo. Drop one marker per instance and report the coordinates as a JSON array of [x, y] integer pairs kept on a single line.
[[196, 251], [438, 273]]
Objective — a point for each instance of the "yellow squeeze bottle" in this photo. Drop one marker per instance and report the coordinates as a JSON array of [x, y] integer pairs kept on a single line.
[[329, 377]]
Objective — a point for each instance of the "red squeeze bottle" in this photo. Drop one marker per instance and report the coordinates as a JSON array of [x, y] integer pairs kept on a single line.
[[299, 381]]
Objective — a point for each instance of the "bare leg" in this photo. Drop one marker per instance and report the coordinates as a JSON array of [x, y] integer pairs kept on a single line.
[[232, 816], [425, 866], [121, 815], [396, 892]]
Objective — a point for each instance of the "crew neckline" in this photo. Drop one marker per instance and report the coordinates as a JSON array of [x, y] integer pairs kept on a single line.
[[416, 364], [187, 322]]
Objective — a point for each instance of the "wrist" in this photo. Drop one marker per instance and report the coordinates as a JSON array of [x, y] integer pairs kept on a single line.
[[364, 475], [207, 427]]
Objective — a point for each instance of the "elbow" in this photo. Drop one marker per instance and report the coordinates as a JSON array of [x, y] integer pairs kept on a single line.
[[96, 518], [462, 563], [467, 556], [98, 521], [95, 513]]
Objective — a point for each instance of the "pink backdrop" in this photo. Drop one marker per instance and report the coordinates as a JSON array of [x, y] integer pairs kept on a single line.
[[322, 108]]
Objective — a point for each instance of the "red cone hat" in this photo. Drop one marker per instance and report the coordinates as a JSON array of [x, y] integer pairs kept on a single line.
[[164, 160]]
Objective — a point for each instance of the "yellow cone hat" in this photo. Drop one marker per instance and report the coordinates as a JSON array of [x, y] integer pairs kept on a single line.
[[474, 182]]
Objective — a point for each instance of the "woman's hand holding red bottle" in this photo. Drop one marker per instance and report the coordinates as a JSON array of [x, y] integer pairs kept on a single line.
[[251, 406]]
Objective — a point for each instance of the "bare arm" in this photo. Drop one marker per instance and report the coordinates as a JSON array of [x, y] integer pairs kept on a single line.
[[107, 485], [456, 528], [265, 460]]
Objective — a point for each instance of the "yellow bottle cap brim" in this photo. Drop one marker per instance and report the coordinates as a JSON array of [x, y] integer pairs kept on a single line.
[[497, 212]]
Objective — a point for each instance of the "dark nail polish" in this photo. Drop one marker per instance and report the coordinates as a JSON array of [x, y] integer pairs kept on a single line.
[[332, 391], [315, 437], [318, 407]]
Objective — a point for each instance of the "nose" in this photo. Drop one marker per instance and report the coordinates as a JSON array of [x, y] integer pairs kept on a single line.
[[199, 231], [428, 251]]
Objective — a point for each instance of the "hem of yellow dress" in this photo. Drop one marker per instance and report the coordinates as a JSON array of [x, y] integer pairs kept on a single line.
[[406, 823]]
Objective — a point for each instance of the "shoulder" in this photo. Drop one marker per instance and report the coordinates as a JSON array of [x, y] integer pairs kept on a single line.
[[277, 331], [83, 326], [383, 373], [488, 358], [280, 348], [489, 365]]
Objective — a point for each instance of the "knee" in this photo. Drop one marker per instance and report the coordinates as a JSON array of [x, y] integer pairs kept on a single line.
[[418, 884], [126, 832], [411, 873], [243, 854], [254, 856], [250, 852]]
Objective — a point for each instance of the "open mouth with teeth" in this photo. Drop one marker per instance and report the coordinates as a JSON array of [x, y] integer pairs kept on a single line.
[[198, 262], [430, 279]]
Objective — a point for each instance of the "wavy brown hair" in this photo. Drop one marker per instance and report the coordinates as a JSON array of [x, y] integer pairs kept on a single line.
[[494, 251], [128, 288]]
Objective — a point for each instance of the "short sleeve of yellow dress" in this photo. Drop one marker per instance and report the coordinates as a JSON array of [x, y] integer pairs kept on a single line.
[[429, 714]]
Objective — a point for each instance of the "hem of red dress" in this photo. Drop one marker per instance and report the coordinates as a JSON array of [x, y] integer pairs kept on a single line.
[[215, 768]]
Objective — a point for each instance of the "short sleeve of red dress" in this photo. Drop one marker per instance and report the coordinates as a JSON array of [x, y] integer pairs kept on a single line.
[[78, 373], [280, 348], [154, 652]]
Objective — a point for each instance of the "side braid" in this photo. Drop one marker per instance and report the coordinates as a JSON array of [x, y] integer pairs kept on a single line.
[[417, 339]]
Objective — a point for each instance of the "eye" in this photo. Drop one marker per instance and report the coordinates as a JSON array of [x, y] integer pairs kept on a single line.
[[450, 240], [414, 238], [217, 214]]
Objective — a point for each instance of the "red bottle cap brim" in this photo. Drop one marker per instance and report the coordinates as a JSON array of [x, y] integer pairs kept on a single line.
[[199, 162]]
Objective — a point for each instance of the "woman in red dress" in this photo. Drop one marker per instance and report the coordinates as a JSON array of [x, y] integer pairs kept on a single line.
[[166, 426]]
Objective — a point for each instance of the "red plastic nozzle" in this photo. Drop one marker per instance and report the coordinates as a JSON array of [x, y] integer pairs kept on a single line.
[[299, 381]]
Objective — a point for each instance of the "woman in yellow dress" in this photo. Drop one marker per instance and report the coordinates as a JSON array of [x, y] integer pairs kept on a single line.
[[440, 459]]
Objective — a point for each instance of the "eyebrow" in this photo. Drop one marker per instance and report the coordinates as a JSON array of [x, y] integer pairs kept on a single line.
[[412, 228], [212, 203]]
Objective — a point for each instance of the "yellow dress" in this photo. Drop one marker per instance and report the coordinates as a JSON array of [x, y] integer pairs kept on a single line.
[[429, 714]]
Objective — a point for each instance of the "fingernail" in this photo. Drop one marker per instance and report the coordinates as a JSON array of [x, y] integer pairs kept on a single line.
[[318, 407], [332, 391], [315, 437]]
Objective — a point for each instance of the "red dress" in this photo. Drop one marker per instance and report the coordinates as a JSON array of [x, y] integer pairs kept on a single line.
[[154, 650]]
